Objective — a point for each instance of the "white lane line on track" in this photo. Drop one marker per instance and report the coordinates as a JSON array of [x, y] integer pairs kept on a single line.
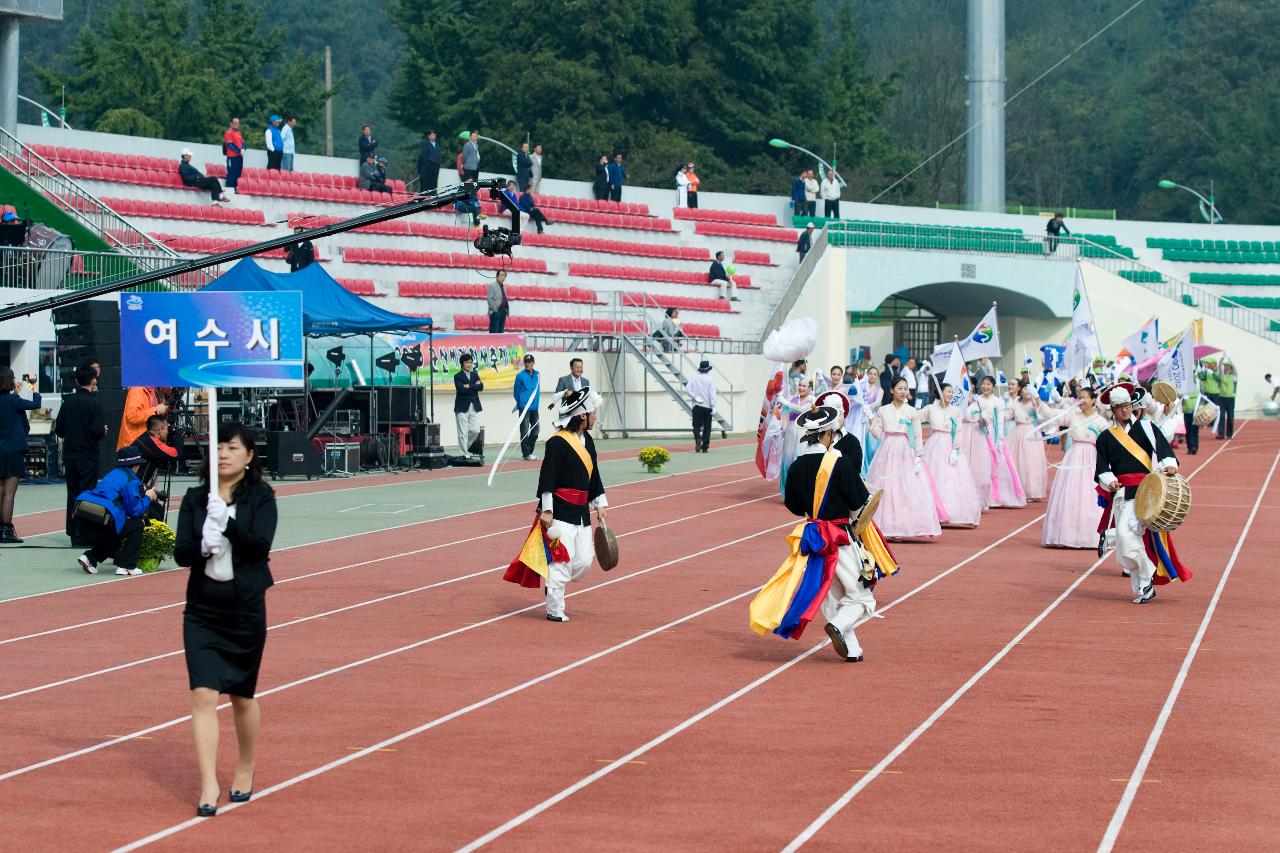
[[360, 564], [391, 528], [382, 655], [808, 832], [569, 791], [359, 604], [866, 779], [1112, 833]]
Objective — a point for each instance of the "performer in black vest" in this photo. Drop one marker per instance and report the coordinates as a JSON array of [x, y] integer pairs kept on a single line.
[[1127, 452], [569, 486], [846, 442]]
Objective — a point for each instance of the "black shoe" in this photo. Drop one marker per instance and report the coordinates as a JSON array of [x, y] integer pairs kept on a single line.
[[551, 618], [1124, 573], [8, 535], [858, 659], [837, 641], [206, 810], [241, 796]]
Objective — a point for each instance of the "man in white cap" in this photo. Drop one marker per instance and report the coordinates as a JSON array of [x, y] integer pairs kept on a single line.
[[825, 488], [805, 241], [569, 487], [1127, 452], [191, 177]]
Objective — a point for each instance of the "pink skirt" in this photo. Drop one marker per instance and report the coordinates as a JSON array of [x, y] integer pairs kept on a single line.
[[1071, 520], [974, 449], [906, 508], [954, 482], [1029, 458]]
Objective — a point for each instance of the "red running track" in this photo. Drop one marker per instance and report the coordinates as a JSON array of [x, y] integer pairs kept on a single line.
[[656, 720]]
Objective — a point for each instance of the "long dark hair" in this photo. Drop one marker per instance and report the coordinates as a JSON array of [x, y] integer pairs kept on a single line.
[[228, 430]]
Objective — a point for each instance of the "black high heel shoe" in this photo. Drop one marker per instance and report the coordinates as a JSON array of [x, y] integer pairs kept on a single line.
[[242, 796], [208, 809]]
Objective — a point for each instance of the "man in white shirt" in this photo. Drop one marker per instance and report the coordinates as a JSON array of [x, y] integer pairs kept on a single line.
[[290, 145], [909, 374], [702, 390], [810, 193], [831, 196]]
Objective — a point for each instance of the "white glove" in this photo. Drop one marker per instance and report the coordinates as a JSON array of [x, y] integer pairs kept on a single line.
[[954, 458], [210, 538], [217, 511]]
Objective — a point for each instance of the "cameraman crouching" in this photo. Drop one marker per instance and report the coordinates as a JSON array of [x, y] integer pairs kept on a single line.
[[158, 458], [110, 516]]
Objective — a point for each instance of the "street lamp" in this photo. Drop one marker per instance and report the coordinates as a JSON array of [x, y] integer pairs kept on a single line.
[[466, 134], [782, 143], [1207, 207]]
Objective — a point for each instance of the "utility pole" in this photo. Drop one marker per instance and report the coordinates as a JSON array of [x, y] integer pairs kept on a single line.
[[328, 101]]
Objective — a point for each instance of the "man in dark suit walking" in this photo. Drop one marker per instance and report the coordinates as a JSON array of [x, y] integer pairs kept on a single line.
[[81, 426], [574, 381], [429, 159], [466, 404]]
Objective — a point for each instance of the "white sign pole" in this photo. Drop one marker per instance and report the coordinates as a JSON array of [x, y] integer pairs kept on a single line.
[[213, 439]]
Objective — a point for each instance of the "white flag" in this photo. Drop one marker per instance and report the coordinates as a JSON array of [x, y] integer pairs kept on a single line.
[[982, 342], [1144, 343], [1084, 338], [955, 376], [1178, 365]]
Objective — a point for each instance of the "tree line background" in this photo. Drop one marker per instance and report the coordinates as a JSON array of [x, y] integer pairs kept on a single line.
[[1184, 89]]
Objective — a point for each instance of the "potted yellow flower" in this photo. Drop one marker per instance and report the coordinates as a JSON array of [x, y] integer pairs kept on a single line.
[[158, 540], [653, 458]]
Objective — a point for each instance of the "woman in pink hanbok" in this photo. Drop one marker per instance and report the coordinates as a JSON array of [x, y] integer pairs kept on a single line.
[[1071, 519], [947, 465], [1025, 443], [909, 505], [995, 418]]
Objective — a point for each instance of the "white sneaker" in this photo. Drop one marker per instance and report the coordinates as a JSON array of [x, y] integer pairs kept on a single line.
[[531, 458], [1146, 595], [88, 565], [121, 570]]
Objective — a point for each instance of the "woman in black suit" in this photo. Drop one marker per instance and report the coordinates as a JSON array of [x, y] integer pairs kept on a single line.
[[226, 540], [14, 428]]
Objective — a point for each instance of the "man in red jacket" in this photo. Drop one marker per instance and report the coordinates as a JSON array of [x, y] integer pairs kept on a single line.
[[233, 147]]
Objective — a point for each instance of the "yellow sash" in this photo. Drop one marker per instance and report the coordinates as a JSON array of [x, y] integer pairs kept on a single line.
[[824, 479], [580, 448], [1127, 442]]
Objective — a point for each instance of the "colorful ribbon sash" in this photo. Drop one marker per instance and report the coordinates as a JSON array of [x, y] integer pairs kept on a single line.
[[529, 568]]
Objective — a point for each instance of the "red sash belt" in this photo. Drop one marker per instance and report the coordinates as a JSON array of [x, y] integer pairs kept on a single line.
[[577, 497], [1105, 497]]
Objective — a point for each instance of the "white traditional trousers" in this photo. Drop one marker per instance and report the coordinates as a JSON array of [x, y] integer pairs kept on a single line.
[[848, 602], [577, 540], [1131, 553]]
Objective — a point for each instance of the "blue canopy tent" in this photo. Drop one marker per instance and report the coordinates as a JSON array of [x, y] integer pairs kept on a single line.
[[328, 308]]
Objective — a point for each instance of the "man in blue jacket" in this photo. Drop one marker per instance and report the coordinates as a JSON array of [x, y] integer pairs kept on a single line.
[[527, 384], [617, 177], [274, 143], [115, 534], [798, 204]]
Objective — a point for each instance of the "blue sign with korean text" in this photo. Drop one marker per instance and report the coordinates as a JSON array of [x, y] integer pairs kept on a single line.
[[212, 339]]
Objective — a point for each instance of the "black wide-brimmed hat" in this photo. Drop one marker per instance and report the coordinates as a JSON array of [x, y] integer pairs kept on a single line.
[[819, 419]]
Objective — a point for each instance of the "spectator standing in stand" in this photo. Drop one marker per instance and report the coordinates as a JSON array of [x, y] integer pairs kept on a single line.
[[14, 428], [371, 176], [798, 206], [274, 143], [301, 254], [1053, 229], [810, 194], [368, 145], [528, 381], [233, 148], [191, 177], [668, 330], [805, 242], [429, 160], [617, 177], [702, 390], [720, 277], [682, 186], [81, 425], [290, 144], [471, 157], [694, 181], [499, 306], [524, 167], [466, 403], [535, 183], [600, 186], [831, 196]]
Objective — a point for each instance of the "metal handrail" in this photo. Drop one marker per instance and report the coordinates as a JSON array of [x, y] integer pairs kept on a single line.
[[79, 203], [30, 268], [791, 295]]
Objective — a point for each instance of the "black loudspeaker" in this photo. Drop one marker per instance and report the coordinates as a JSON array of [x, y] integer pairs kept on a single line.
[[403, 405], [105, 335], [477, 446], [465, 462], [112, 400], [291, 454], [90, 311]]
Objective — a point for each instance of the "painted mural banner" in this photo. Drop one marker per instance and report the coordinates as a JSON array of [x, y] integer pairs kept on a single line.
[[366, 359]]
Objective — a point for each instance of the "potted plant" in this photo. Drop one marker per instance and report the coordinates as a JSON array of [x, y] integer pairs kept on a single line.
[[653, 458], [158, 539]]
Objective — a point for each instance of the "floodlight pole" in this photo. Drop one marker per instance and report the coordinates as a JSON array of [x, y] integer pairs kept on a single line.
[[1214, 216], [782, 143]]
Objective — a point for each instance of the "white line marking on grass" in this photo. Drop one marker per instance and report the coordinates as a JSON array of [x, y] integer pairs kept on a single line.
[[1153, 740], [356, 606]]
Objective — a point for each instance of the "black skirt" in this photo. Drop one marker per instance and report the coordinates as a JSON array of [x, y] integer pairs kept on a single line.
[[13, 464], [223, 637]]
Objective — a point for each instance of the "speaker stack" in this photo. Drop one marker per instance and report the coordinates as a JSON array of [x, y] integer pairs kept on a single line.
[[86, 332]]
